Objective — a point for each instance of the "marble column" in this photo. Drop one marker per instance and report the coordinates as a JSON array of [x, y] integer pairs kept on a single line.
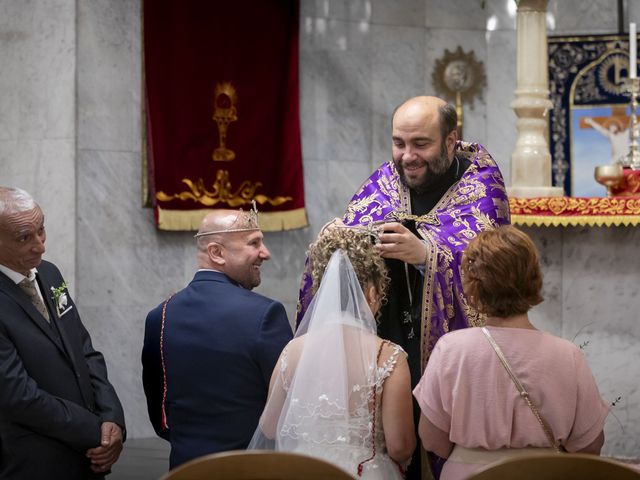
[[531, 160]]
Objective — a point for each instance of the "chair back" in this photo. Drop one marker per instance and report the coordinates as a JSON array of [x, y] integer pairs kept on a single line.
[[256, 465], [570, 466]]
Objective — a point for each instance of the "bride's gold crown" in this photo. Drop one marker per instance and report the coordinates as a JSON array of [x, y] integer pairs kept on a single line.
[[372, 229]]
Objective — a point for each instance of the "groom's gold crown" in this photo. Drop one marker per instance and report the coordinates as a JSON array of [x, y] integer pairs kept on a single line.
[[244, 222]]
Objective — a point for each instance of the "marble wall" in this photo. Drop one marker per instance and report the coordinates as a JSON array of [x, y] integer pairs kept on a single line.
[[72, 135], [37, 119]]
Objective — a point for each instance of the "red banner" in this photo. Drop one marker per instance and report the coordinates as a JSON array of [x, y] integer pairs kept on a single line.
[[223, 123]]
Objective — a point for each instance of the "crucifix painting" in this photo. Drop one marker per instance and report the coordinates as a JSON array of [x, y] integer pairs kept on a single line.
[[589, 122], [614, 128], [600, 137]]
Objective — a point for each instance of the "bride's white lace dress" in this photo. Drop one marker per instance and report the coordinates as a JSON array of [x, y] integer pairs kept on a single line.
[[326, 394], [351, 438]]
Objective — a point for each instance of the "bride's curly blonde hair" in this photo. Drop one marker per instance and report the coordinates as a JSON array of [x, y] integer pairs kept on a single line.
[[359, 245]]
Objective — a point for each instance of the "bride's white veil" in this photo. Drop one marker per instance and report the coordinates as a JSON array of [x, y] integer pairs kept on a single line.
[[323, 393]]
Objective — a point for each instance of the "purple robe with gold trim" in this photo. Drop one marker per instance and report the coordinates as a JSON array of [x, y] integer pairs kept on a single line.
[[478, 201]]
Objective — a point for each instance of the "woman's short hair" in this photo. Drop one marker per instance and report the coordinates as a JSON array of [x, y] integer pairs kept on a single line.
[[501, 272], [359, 245]]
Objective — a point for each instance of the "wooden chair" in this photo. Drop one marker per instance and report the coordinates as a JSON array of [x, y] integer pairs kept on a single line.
[[574, 466], [256, 465]]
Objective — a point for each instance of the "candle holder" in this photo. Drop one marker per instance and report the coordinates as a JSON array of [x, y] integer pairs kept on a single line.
[[632, 89]]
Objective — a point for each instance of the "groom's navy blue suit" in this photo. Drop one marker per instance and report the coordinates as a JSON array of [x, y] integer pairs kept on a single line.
[[220, 343]]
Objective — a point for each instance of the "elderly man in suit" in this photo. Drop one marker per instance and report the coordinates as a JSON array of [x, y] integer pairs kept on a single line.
[[210, 349], [60, 418]]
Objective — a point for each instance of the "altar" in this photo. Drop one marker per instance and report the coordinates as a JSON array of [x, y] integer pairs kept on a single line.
[[586, 236]]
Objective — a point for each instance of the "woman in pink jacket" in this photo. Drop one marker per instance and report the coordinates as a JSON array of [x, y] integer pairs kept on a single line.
[[477, 409]]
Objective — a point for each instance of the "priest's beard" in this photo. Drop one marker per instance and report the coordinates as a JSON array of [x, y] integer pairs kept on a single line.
[[436, 167]]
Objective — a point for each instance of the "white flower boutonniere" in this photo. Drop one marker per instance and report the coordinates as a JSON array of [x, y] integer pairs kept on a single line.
[[60, 299]]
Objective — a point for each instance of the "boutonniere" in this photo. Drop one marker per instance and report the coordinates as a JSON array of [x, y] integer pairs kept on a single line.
[[60, 298]]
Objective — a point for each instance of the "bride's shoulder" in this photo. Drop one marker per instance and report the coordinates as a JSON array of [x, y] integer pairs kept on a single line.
[[294, 347], [392, 349], [390, 353]]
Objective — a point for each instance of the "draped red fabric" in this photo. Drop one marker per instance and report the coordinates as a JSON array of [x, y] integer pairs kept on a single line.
[[223, 110]]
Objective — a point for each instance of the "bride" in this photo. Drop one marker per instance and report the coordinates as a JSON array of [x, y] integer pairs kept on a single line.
[[339, 392]]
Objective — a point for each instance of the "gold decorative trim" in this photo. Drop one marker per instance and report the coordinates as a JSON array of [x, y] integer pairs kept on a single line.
[[585, 38], [287, 220], [431, 266], [575, 221], [189, 220], [575, 211], [577, 206], [222, 193]]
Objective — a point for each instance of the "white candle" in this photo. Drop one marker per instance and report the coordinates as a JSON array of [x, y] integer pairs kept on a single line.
[[632, 50]]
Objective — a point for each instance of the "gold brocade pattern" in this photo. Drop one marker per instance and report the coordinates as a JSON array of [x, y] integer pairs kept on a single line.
[[476, 319], [429, 218], [404, 196], [468, 190], [570, 211], [389, 187], [222, 193], [427, 300], [360, 206], [502, 208]]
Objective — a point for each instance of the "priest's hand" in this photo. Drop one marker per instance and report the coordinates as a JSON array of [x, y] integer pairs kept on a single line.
[[398, 242]]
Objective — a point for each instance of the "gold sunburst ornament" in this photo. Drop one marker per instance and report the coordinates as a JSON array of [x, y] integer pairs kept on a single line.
[[610, 73], [224, 113], [459, 77]]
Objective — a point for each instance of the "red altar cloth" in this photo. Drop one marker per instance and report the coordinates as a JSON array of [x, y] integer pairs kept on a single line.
[[630, 187]]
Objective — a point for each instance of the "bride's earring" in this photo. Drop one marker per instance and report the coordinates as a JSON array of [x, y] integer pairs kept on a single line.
[[373, 299]]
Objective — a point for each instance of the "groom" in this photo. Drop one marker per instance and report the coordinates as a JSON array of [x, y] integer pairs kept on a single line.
[[210, 349]]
